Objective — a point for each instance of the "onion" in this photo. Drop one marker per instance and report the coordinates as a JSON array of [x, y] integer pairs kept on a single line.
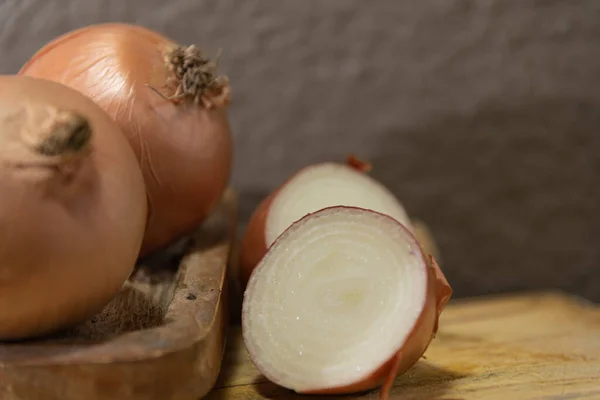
[[168, 102], [342, 302], [313, 188], [72, 210]]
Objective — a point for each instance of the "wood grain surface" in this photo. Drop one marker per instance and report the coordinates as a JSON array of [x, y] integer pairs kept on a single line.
[[539, 346], [159, 340]]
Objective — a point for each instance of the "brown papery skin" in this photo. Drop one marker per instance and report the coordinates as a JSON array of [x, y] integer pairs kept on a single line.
[[254, 241], [72, 208], [185, 149]]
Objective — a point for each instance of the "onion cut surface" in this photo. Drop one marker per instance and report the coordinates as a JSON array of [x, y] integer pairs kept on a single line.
[[311, 189], [342, 301]]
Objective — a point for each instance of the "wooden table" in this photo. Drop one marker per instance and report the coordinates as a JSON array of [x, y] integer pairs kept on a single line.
[[543, 346]]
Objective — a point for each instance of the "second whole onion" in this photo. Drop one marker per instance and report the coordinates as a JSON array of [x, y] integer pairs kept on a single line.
[[170, 104]]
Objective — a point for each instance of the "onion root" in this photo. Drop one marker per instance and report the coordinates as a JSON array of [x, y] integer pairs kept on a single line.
[[62, 132], [194, 77]]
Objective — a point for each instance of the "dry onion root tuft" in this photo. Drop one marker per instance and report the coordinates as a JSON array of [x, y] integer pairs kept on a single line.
[[72, 211], [171, 105], [343, 301]]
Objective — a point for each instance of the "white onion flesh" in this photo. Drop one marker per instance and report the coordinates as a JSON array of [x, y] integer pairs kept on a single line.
[[327, 185], [334, 298]]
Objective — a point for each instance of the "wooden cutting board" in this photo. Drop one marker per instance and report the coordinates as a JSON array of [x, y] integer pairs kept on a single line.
[[543, 346], [161, 338]]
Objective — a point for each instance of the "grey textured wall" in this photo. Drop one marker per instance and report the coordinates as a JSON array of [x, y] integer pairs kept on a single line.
[[482, 116]]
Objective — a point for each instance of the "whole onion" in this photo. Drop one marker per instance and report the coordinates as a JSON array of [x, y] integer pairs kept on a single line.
[[72, 207], [170, 104]]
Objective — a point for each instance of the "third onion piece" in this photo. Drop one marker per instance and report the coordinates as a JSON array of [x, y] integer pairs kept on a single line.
[[342, 302], [169, 102], [313, 188]]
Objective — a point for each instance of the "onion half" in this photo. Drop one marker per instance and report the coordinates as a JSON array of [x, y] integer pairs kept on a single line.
[[311, 189], [343, 301]]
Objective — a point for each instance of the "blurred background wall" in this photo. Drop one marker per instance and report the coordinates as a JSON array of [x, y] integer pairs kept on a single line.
[[483, 116]]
